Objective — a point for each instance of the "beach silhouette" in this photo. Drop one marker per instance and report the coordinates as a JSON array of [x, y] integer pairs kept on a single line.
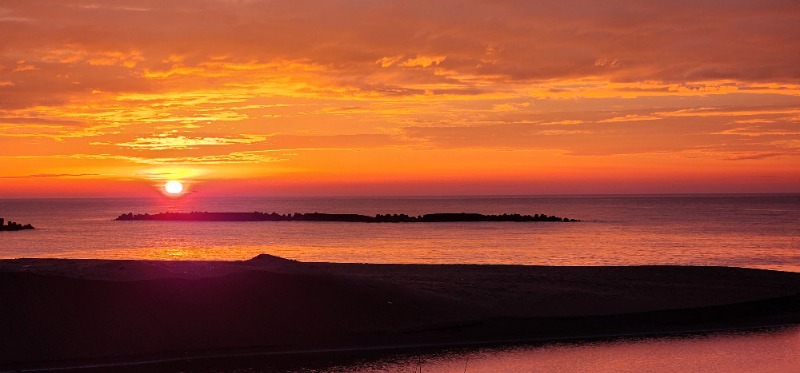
[[124, 312]]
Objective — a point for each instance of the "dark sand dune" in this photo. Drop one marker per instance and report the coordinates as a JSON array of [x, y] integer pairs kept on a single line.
[[72, 312]]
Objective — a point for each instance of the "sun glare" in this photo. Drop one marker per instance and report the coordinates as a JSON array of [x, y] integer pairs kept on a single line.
[[173, 187]]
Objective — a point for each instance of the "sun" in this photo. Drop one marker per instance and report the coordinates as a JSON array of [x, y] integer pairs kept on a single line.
[[173, 187]]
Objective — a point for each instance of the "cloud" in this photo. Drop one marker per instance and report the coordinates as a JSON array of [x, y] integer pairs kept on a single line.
[[423, 61], [731, 111], [36, 176], [113, 8], [511, 106], [254, 157], [757, 131], [7, 15], [532, 43], [567, 122], [669, 135], [353, 141], [142, 82], [630, 118], [757, 156], [389, 61], [183, 142]]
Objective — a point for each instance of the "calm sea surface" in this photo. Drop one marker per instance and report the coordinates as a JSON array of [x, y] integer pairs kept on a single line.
[[759, 231]]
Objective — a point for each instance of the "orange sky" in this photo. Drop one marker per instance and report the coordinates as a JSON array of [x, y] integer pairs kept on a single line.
[[247, 97]]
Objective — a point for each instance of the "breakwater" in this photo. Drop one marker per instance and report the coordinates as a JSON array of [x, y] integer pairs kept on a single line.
[[350, 218], [13, 226]]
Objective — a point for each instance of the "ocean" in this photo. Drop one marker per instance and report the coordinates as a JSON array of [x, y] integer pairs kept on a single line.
[[758, 231]]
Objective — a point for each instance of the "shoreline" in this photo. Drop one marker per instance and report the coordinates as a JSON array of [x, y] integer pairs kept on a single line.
[[63, 313], [381, 351]]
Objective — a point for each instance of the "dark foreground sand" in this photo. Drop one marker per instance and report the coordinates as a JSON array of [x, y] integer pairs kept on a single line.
[[74, 312]]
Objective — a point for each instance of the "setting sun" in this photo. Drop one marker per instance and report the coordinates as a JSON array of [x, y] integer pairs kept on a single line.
[[173, 187]]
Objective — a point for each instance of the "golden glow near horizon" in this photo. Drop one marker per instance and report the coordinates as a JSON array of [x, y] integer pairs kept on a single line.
[[397, 97]]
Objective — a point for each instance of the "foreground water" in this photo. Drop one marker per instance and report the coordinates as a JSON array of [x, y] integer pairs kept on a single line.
[[775, 351], [764, 351], [759, 231]]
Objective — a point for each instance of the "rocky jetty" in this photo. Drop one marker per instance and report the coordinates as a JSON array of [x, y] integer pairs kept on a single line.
[[350, 218], [13, 226]]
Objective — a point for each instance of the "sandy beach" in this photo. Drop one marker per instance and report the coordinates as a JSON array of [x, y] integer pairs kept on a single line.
[[62, 313]]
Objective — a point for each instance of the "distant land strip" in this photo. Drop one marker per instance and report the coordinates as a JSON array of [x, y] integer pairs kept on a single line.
[[349, 218]]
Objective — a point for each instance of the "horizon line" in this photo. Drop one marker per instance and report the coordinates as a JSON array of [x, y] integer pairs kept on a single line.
[[429, 196]]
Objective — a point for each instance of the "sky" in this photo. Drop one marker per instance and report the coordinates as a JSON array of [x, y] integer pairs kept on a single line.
[[370, 97]]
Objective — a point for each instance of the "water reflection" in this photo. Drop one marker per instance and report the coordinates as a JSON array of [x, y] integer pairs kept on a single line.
[[762, 351], [775, 350]]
